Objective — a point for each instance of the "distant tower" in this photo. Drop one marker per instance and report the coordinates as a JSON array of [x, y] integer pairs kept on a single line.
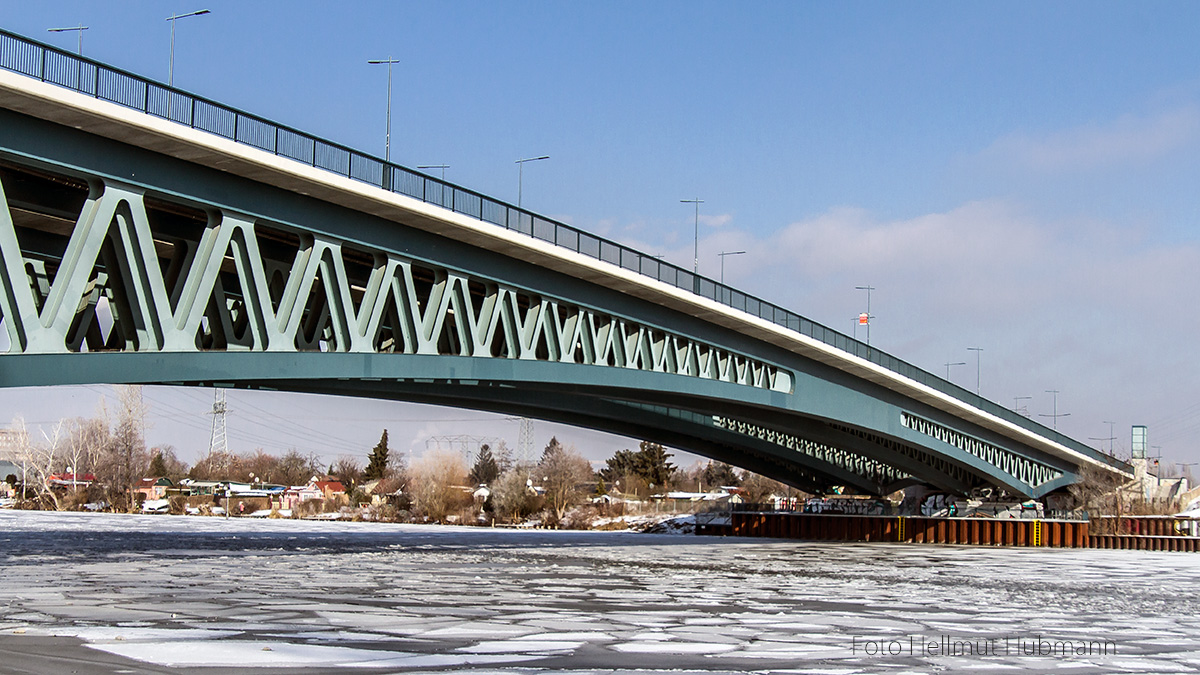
[[218, 441], [1138, 444], [525, 441]]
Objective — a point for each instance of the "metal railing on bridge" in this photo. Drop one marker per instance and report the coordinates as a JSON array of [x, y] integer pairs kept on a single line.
[[50, 64]]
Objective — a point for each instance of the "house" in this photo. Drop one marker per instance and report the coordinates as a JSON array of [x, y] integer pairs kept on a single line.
[[154, 488], [383, 491], [69, 480], [202, 487], [330, 489]]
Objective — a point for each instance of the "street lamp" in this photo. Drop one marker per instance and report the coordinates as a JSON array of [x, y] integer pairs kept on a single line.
[[1056, 414], [387, 138], [521, 174], [173, 18], [697, 202], [1017, 405], [80, 28], [868, 288], [722, 254], [958, 363], [978, 351], [443, 167]]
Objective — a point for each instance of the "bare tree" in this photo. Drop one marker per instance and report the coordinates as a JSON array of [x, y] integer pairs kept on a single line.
[[757, 488], [85, 442], [38, 459], [126, 456], [261, 465], [215, 465], [513, 498], [504, 455], [1098, 492], [349, 471], [566, 477], [296, 469], [437, 484]]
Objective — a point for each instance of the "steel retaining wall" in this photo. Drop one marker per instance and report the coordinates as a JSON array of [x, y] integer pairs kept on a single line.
[[967, 531], [908, 529]]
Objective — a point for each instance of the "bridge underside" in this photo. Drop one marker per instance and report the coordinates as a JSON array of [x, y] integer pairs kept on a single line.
[[124, 266]]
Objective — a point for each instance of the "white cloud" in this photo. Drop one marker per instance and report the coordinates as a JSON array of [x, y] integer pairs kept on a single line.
[[717, 220], [1129, 139], [1097, 310]]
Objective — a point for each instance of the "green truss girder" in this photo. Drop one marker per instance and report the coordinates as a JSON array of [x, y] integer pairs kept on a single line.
[[506, 322]]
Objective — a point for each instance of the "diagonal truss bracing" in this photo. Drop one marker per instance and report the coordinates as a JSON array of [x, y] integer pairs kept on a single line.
[[872, 471], [125, 283]]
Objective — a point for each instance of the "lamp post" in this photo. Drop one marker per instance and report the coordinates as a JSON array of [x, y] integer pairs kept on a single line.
[[80, 28], [722, 254], [443, 167], [868, 288], [387, 137], [1017, 405], [697, 202], [1056, 414], [957, 363], [521, 174], [173, 18], [1110, 437], [978, 351]]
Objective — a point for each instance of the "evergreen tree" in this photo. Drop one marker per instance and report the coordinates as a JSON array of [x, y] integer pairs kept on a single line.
[[649, 463], [158, 467], [652, 464], [486, 468], [553, 448], [377, 461], [720, 474], [622, 463]]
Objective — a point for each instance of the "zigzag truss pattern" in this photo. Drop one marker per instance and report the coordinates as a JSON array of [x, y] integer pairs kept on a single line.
[[873, 471], [1023, 469], [96, 265]]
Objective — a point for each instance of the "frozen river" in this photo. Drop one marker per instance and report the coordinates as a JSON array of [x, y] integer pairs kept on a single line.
[[134, 594]]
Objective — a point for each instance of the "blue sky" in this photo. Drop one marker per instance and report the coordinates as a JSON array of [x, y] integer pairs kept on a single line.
[[1018, 177]]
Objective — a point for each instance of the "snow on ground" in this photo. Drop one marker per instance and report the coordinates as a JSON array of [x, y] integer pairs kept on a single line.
[[181, 593], [653, 523]]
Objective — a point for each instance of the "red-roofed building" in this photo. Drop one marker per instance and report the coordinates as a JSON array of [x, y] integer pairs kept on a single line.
[[330, 489], [66, 480], [316, 489]]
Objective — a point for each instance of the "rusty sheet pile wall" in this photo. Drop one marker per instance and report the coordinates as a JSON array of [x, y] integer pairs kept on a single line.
[[1154, 533]]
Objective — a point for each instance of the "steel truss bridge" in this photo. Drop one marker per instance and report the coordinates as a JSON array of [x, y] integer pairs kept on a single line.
[[151, 236]]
